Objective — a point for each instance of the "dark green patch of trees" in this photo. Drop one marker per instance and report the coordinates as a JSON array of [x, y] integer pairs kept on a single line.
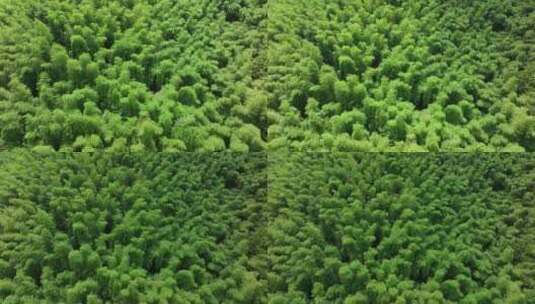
[[242, 228], [129, 228], [400, 228]]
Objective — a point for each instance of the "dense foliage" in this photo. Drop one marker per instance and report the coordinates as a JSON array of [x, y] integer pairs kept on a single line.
[[131, 75], [246, 75], [140, 228], [123, 79], [242, 228], [389, 75], [398, 228]]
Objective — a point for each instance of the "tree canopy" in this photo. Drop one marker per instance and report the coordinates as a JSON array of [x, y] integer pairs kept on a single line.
[[427, 75], [251, 75], [129, 228], [244, 228], [139, 75], [400, 228]]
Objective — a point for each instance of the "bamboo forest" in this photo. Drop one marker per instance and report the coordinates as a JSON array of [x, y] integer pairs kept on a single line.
[[267, 152], [257, 75], [245, 228]]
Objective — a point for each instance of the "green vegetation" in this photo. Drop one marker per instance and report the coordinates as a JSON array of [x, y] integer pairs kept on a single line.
[[387, 75], [125, 79], [250, 75], [129, 228], [131, 75], [401, 228], [241, 228]]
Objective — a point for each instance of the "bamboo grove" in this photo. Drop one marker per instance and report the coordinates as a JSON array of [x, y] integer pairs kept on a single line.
[[249, 151], [250, 228], [257, 75]]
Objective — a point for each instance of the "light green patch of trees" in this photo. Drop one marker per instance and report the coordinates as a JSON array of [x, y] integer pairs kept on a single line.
[[250, 75], [427, 75], [139, 75]]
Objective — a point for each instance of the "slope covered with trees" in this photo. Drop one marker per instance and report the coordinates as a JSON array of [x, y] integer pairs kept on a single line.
[[386, 75], [129, 228], [400, 228], [131, 75]]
